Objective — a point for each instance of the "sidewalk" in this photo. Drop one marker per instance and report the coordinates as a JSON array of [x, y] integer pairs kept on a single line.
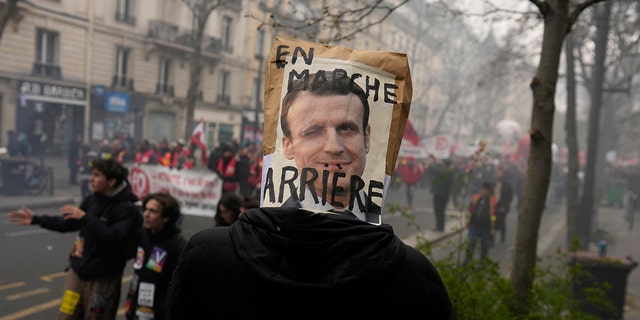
[[63, 191]]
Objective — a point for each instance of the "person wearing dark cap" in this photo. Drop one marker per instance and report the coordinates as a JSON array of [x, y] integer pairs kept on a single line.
[[481, 220]]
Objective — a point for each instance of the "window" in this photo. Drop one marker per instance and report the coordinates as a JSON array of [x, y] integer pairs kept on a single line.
[[121, 77], [223, 87], [124, 13], [226, 33], [164, 78], [47, 48], [225, 133], [260, 44]]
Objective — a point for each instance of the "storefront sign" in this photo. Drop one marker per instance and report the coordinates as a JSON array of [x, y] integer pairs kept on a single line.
[[53, 93], [116, 102]]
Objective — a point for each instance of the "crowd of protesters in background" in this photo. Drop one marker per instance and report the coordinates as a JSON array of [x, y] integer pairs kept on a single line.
[[239, 166], [458, 179]]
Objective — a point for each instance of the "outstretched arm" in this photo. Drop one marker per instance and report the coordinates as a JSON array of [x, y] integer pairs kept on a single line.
[[21, 217]]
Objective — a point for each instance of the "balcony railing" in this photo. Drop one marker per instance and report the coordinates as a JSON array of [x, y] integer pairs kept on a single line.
[[126, 18], [122, 82], [47, 70], [223, 99], [164, 89], [163, 30]]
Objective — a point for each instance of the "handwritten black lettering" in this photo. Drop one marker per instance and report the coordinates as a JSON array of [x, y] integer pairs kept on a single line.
[[282, 52], [307, 178]]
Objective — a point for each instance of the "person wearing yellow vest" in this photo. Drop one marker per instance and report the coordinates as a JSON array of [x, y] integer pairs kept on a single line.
[[481, 220]]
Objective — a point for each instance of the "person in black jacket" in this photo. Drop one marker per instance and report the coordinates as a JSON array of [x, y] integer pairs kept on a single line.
[[159, 245], [107, 221], [291, 263]]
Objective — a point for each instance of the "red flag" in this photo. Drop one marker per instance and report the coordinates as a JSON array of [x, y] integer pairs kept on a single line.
[[198, 138], [410, 134]]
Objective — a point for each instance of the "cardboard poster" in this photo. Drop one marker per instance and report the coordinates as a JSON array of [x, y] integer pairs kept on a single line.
[[330, 155]]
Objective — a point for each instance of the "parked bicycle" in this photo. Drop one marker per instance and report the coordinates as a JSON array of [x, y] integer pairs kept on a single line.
[[38, 178]]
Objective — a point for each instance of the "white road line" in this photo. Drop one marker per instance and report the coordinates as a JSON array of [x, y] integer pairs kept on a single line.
[[32, 310], [27, 294], [547, 237], [13, 285], [25, 232]]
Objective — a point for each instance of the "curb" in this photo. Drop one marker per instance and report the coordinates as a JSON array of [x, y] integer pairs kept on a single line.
[[36, 204]]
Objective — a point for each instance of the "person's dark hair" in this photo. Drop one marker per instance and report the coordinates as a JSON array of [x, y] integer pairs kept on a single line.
[[488, 186], [322, 84], [111, 169], [233, 203], [170, 208], [251, 202]]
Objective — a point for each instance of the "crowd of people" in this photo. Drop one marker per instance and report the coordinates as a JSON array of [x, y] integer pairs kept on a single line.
[[485, 190], [240, 167]]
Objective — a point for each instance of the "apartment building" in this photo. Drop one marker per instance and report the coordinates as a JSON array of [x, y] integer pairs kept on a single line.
[[102, 68]]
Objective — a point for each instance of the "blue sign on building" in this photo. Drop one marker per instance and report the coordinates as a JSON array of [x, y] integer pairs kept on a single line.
[[116, 102]]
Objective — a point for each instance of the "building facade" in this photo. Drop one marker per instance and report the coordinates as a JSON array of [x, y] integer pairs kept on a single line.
[[103, 68]]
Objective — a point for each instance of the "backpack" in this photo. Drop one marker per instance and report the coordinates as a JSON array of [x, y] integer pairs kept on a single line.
[[481, 212]]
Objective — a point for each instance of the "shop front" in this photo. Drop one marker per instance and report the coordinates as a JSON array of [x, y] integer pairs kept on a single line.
[[115, 113], [49, 115], [220, 126]]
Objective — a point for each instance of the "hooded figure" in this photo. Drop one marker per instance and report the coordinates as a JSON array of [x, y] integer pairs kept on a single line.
[[293, 263]]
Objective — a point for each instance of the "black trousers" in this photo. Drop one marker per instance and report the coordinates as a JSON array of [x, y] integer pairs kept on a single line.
[[440, 201]]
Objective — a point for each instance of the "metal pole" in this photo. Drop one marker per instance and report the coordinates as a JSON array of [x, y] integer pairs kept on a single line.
[[259, 91]]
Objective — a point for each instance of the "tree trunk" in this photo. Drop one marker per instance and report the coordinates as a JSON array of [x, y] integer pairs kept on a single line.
[[194, 76], [587, 203], [556, 22], [573, 183]]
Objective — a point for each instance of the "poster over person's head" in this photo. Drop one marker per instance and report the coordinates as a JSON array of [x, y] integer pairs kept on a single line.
[[334, 120]]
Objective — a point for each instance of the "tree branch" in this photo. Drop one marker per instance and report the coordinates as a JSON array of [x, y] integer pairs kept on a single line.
[[542, 7], [573, 16]]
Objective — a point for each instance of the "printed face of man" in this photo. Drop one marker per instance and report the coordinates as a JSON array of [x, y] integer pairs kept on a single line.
[[327, 134]]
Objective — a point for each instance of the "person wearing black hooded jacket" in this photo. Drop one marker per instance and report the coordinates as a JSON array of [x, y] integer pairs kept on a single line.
[[291, 263], [159, 245], [107, 221]]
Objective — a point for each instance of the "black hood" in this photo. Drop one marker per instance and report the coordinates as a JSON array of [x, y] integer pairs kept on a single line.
[[292, 247], [123, 192]]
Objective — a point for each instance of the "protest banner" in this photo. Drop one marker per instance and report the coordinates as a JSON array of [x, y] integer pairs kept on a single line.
[[197, 191], [312, 164]]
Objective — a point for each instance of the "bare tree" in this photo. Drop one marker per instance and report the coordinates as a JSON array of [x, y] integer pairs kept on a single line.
[[200, 10], [608, 80], [558, 16]]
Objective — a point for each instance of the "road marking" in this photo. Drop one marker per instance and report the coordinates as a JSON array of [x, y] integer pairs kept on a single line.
[[12, 285], [51, 276], [25, 232], [558, 222], [27, 294], [32, 310]]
